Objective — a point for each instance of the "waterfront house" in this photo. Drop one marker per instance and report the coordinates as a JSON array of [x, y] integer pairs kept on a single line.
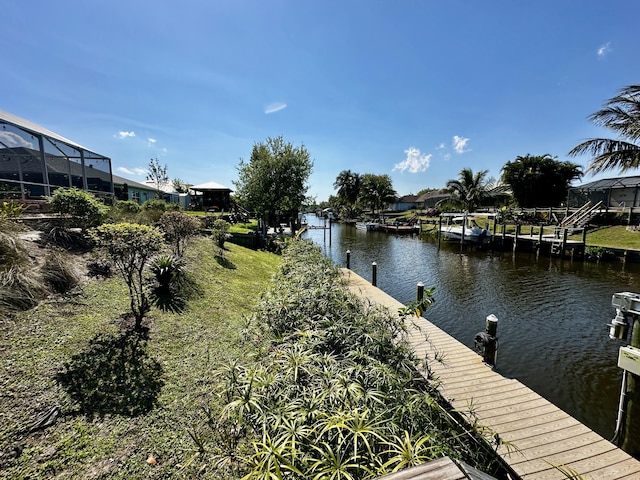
[[617, 192]]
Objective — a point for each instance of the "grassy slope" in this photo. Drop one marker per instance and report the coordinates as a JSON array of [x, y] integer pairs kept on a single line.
[[187, 346]]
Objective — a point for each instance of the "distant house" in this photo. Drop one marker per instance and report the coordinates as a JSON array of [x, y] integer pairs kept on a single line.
[[211, 196], [407, 202], [126, 189], [618, 192], [431, 199]]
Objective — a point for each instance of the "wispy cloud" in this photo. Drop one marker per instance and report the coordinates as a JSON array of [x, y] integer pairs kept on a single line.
[[275, 107], [414, 162], [11, 139], [151, 142], [134, 171], [460, 144], [604, 49], [125, 134]]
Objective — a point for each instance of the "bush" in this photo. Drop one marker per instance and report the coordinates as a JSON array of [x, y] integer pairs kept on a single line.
[[219, 232], [130, 247], [11, 210], [166, 269], [178, 228], [153, 209], [79, 209]]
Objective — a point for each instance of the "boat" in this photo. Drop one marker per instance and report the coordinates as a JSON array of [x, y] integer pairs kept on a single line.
[[400, 228], [465, 229], [367, 226]]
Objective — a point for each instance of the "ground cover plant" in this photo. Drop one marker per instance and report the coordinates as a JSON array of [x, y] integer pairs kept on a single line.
[[83, 397], [331, 391]]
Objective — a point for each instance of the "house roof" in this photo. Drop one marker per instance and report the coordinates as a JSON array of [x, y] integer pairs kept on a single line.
[[209, 186], [617, 182], [433, 194], [117, 180], [27, 125], [407, 199]]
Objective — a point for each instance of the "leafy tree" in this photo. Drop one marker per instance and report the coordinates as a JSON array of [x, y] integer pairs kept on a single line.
[[130, 246], [348, 185], [539, 180], [178, 228], [469, 189], [622, 115], [377, 191], [274, 179], [157, 175], [78, 208], [180, 186]]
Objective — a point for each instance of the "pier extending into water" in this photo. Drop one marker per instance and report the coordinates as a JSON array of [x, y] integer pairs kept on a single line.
[[537, 435]]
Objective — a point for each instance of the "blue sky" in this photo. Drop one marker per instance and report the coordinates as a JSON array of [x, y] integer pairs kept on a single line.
[[417, 89]]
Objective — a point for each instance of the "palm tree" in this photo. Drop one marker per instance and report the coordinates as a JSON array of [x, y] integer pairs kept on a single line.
[[469, 190], [377, 191], [621, 114], [348, 185]]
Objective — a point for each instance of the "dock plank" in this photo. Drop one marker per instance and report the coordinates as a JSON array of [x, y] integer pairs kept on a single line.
[[537, 435]]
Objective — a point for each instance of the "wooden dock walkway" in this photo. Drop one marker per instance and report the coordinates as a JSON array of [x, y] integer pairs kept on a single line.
[[544, 435]]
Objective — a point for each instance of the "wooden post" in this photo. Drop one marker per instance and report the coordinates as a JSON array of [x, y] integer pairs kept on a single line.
[[374, 274], [584, 235], [348, 259], [540, 233], [439, 230], [491, 349], [420, 292], [531, 231], [515, 238], [565, 232]]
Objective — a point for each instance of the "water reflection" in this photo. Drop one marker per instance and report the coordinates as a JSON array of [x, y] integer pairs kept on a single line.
[[552, 312]]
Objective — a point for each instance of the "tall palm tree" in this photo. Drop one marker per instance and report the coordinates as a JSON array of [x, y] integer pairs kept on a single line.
[[469, 189], [621, 114], [348, 185]]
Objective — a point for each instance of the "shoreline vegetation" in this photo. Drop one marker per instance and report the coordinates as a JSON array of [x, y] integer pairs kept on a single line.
[[267, 366]]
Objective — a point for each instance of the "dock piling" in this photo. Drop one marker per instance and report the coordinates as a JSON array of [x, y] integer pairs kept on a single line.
[[374, 274]]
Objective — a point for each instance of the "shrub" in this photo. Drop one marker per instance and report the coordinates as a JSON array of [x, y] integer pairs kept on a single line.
[[219, 232], [178, 228], [78, 208], [166, 269], [130, 247], [153, 209], [127, 206], [11, 210]]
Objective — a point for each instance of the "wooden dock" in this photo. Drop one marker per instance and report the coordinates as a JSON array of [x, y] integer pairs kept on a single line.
[[540, 434]]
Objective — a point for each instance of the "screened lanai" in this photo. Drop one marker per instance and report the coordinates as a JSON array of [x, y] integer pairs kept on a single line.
[[35, 161]]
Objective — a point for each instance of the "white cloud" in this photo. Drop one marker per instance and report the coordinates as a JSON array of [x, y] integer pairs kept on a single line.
[[125, 134], [604, 49], [415, 161], [11, 139], [460, 144], [152, 140], [275, 107], [135, 171], [441, 146]]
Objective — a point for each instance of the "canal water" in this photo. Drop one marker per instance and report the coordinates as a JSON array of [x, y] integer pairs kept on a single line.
[[552, 312]]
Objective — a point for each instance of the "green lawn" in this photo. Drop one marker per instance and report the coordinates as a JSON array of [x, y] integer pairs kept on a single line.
[[614, 237], [171, 370]]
